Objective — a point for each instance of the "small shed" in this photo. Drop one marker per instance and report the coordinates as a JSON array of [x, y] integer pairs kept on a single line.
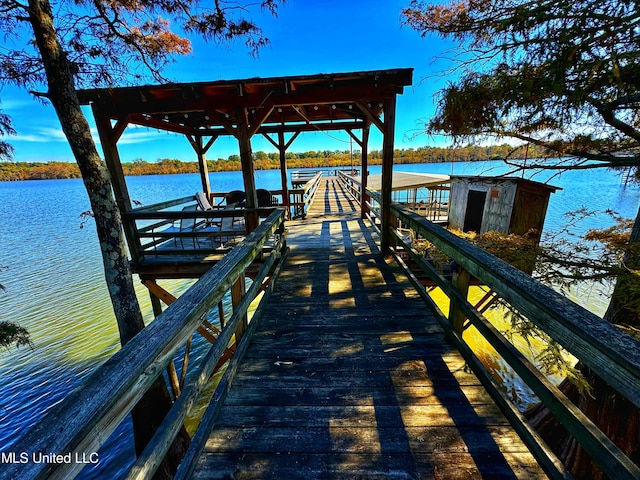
[[504, 204]]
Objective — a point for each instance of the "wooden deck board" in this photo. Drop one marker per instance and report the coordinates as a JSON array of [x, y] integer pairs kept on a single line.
[[349, 376]]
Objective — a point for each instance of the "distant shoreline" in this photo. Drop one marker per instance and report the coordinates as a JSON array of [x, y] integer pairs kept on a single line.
[[19, 171]]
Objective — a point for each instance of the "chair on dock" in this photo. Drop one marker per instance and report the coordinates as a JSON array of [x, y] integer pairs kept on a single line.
[[265, 199], [231, 227], [188, 225], [235, 198], [203, 201]]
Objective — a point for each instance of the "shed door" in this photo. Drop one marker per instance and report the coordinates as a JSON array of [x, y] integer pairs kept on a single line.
[[475, 210]]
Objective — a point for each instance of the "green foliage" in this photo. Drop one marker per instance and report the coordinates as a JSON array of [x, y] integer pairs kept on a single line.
[[569, 258], [6, 128], [558, 74], [550, 357], [13, 334], [561, 75], [521, 251], [111, 42], [564, 259]]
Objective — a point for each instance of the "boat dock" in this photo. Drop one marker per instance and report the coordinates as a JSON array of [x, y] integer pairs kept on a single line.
[[349, 376], [323, 352]]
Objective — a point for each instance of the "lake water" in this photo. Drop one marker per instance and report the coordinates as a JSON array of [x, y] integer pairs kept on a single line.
[[55, 284]]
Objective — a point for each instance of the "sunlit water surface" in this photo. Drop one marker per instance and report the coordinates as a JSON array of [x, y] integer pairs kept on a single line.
[[55, 285]]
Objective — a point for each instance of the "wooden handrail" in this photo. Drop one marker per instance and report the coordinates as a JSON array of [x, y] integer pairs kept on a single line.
[[301, 198], [607, 350], [604, 348], [91, 412]]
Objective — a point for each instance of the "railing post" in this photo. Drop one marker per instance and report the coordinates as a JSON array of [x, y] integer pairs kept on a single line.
[[460, 280], [237, 293]]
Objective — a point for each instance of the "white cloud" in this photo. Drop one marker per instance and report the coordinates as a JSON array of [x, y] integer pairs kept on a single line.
[[13, 105], [39, 135], [141, 135]]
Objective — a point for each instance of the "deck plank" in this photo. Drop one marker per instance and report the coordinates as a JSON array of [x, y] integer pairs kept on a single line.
[[349, 376]]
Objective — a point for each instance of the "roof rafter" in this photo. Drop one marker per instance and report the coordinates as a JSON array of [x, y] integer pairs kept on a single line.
[[268, 105]]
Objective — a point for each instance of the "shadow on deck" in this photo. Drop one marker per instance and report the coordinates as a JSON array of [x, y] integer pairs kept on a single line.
[[349, 376]]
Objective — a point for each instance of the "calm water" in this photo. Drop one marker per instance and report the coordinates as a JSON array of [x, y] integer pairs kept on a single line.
[[55, 284]]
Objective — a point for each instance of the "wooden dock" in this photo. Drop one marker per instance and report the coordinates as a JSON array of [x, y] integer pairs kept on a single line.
[[349, 375]]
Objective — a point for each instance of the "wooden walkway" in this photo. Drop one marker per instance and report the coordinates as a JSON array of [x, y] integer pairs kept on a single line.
[[349, 376]]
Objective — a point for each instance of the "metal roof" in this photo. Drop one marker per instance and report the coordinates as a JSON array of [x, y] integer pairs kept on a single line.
[[498, 178], [406, 180]]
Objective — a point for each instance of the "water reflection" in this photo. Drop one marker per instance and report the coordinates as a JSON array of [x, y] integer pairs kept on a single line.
[[55, 285]]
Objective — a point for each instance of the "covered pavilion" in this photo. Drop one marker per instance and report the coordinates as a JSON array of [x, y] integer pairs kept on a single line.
[[277, 108]]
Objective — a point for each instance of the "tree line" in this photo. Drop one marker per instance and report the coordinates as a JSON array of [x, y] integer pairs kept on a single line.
[[12, 171]]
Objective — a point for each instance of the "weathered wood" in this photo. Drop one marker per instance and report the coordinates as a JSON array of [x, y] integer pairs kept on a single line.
[[148, 461], [201, 150], [188, 463], [246, 159], [387, 171], [364, 209], [377, 466], [338, 396], [460, 282], [610, 458], [91, 412], [348, 371]]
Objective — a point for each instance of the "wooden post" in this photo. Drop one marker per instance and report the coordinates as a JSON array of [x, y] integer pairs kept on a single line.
[[460, 281], [246, 160], [201, 151], [282, 149], [108, 139], [237, 292], [387, 171], [172, 374], [364, 198], [204, 169]]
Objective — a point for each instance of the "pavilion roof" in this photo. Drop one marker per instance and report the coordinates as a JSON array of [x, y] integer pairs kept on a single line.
[[267, 105]]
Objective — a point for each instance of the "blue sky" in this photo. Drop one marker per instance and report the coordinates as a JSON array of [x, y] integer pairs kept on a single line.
[[307, 37]]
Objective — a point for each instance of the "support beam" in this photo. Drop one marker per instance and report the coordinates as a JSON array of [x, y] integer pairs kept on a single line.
[[109, 139], [387, 171], [364, 162], [258, 120], [372, 117], [238, 290], [201, 150], [120, 127]]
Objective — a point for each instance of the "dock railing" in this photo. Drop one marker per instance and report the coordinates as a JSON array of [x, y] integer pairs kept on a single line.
[[605, 349], [354, 188], [178, 227], [84, 420], [300, 177], [302, 195]]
